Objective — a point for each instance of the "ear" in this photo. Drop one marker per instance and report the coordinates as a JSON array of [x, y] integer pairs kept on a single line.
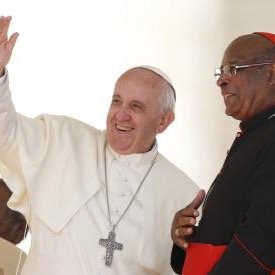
[[165, 121], [271, 79]]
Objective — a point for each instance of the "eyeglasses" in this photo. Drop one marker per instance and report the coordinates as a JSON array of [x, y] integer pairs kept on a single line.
[[231, 70]]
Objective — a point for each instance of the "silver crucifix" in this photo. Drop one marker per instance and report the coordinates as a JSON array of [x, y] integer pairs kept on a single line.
[[111, 245]]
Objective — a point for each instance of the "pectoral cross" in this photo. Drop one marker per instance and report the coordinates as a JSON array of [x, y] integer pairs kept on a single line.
[[111, 245]]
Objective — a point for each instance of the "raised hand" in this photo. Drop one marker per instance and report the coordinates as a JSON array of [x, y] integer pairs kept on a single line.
[[6, 43], [185, 220]]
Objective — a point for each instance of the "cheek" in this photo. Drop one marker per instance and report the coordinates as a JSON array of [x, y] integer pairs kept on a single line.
[[243, 92], [109, 116], [247, 96], [151, 127], [249, 87]]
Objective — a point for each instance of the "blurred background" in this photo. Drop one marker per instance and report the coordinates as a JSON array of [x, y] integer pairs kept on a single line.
[[70, 53]]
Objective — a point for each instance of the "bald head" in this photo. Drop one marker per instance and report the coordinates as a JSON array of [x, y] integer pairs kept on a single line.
[[251, 48], [247, 80]]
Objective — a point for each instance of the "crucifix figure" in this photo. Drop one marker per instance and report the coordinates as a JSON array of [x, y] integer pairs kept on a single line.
[[111, 245]]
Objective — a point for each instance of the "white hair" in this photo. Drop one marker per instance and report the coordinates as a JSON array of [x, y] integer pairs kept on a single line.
[[168, 96], [167, 100]]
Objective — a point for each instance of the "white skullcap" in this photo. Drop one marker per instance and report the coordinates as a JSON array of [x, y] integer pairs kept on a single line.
[[160, 73]]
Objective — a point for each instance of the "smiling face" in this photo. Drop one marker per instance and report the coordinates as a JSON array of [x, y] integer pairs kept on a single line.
[[135, 116], [251, 90]]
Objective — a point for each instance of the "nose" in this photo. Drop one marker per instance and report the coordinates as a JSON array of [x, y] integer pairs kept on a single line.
[[123, 113], [222, 80]]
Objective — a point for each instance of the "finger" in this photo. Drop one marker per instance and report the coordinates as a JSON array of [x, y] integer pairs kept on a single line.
[[11, 42], [180, 234], [1, 23], [187, 212], [185, 218], [196, 203], [186, 221], [5, 26], [182, 243]]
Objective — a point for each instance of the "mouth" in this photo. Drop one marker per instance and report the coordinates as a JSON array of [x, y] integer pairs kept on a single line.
[[123, 128], [227, 94]]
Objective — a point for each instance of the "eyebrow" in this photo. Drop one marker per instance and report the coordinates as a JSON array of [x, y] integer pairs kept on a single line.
[[135, 101], [138, 102]]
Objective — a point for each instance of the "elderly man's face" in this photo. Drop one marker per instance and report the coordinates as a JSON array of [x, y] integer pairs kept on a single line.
[[135, 116], [12, 223], [248, 92]]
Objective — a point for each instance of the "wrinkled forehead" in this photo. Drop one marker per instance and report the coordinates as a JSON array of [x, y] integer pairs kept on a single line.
[[246, 48]]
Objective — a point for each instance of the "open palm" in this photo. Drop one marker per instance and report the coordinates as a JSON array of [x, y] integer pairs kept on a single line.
[[6, 43]]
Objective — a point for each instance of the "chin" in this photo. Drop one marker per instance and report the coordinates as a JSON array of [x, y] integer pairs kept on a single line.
[[233, 115], [120, 150], [227, 112]]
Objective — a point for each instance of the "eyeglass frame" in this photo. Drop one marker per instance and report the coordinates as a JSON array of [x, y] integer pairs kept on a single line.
[[235, 68]]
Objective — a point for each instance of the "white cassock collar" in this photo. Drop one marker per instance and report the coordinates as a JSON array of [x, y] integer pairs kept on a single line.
[[134, 159]]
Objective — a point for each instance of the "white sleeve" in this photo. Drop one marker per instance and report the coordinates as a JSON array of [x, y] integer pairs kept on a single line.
[[10, 166], [7, 116]]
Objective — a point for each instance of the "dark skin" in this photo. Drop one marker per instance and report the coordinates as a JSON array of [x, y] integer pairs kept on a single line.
[[12, 223], [251, 90], [245, 94], [185, 220]]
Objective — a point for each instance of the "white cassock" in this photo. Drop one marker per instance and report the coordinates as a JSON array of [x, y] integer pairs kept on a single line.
[[55, 167]]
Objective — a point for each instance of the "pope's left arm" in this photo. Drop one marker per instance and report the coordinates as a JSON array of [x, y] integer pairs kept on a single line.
[[252, 248]]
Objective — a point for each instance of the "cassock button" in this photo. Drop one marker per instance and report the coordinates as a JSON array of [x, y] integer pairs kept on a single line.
[[239, 134]]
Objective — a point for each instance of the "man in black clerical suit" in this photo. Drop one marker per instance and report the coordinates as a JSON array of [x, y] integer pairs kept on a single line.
[[12, 223], [236, 233]]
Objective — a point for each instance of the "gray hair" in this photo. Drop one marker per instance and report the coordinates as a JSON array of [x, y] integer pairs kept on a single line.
[[167, 100], [168, 95]]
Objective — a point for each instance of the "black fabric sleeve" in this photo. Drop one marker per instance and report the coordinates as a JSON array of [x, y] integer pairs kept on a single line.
[[252, 249], [177, 259]]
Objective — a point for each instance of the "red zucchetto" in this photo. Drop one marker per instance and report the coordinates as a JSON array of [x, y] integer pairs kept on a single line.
[[267, 35]]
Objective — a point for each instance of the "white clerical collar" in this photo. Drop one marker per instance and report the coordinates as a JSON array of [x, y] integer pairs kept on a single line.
[[135, 159]]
